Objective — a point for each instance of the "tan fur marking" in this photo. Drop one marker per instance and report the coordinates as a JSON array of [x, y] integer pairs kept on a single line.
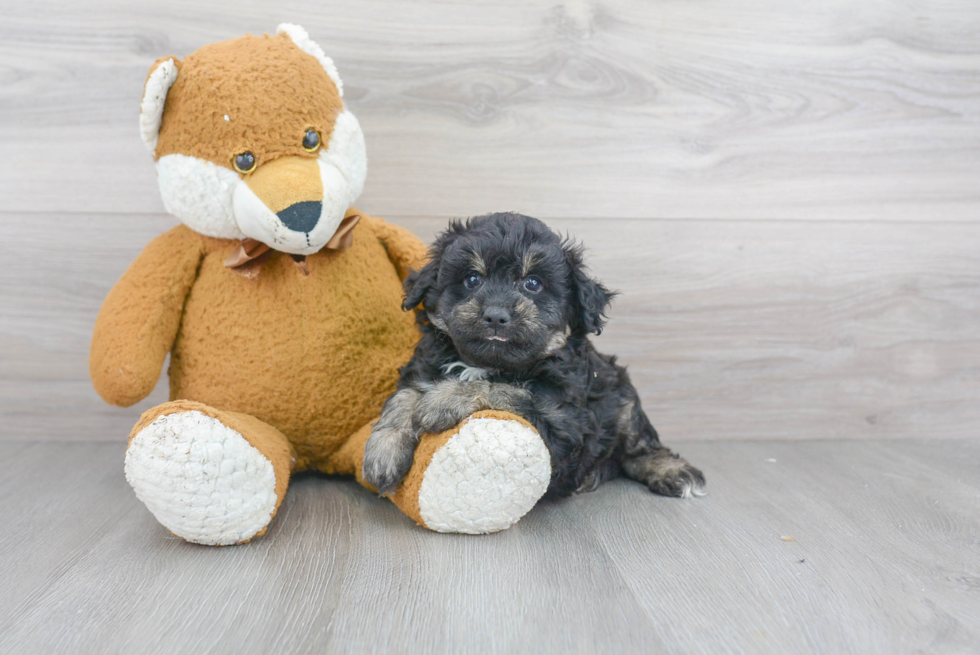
[[525, 310], [476, 261], [286, 181], [528, 262], [624, 423], [555, 343], [665, 466], [468, 311]]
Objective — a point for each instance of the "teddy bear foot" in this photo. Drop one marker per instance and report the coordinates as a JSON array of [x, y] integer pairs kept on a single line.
[[201, 478], [479, 477]]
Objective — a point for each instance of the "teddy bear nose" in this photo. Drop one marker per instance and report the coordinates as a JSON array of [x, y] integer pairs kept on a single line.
[[302, 216]]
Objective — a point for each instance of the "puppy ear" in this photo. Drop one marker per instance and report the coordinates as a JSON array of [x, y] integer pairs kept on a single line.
[[418, 283], [590, 298]]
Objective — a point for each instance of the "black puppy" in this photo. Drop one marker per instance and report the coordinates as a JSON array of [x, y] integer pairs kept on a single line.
[[506, 312]]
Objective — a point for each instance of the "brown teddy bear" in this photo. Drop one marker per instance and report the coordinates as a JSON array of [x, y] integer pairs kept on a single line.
[[279, 304]]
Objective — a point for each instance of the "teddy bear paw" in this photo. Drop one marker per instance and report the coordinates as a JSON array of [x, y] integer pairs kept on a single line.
[[485, 478], [201, 479]]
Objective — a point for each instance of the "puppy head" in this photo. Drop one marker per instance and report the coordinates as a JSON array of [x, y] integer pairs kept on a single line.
[[507, 290]]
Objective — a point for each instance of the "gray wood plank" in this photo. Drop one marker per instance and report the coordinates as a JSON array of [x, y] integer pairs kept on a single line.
[[616, 108], [862, 516], [887, 531], [59, 499], [731, 330]]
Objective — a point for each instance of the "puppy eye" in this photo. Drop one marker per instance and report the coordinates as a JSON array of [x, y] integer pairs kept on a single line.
[[533, 284], [472, 281], [311, 141], [244, 163]]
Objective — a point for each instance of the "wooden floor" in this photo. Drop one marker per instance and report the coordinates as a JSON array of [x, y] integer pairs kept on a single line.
[[812, 547], [786, 194]]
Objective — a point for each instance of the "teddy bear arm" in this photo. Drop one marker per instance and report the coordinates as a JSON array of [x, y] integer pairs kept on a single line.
[[139, 319], [405, 250]]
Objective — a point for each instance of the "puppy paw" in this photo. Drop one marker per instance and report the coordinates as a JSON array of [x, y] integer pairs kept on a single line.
[[388, 456], [607, 470], [666, 474], [683, 482]]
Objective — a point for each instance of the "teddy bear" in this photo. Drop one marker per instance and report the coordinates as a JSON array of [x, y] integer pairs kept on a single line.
[[279, 304]]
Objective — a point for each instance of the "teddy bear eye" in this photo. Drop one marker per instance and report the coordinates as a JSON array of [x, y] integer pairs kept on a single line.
[[311, 141], [244, 162], [472, 281], [533, 284]]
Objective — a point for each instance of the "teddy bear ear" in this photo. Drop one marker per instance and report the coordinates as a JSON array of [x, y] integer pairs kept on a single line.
[[303, 41], [162, 76]]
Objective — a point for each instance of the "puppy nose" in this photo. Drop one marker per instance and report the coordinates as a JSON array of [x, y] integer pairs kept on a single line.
[[496, 316]]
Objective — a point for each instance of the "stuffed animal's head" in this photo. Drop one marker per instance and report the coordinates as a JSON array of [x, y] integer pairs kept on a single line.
[[252, 139]]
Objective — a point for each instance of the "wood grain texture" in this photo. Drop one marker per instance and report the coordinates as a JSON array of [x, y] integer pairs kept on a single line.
[[884, 560], [744, 109], [731, 329], [816, 350]]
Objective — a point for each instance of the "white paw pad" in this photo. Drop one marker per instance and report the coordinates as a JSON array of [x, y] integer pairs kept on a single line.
[[202, 480], [485, 478]]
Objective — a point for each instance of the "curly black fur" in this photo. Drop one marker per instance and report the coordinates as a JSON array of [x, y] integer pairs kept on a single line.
[[492, 339]]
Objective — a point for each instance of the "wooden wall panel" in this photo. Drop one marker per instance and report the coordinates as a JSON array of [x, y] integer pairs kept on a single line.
[[786, 192], [731, 329], [743, 109]]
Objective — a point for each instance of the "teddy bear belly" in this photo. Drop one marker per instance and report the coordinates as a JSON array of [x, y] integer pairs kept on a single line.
[[313, 355]]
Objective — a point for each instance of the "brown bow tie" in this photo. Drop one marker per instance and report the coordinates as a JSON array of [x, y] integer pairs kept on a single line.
[[247, 258]]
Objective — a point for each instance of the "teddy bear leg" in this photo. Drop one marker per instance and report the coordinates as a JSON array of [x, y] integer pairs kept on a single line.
[[209, 476], [479, 477]]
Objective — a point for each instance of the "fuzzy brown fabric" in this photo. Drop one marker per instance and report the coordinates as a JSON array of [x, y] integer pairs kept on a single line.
[[286, 181], [271, 91], [313, 356], [349, 458], [139, 318]]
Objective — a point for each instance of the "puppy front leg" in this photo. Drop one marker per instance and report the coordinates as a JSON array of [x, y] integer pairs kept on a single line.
[[389, 450], [446, 403], [646, 460]]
